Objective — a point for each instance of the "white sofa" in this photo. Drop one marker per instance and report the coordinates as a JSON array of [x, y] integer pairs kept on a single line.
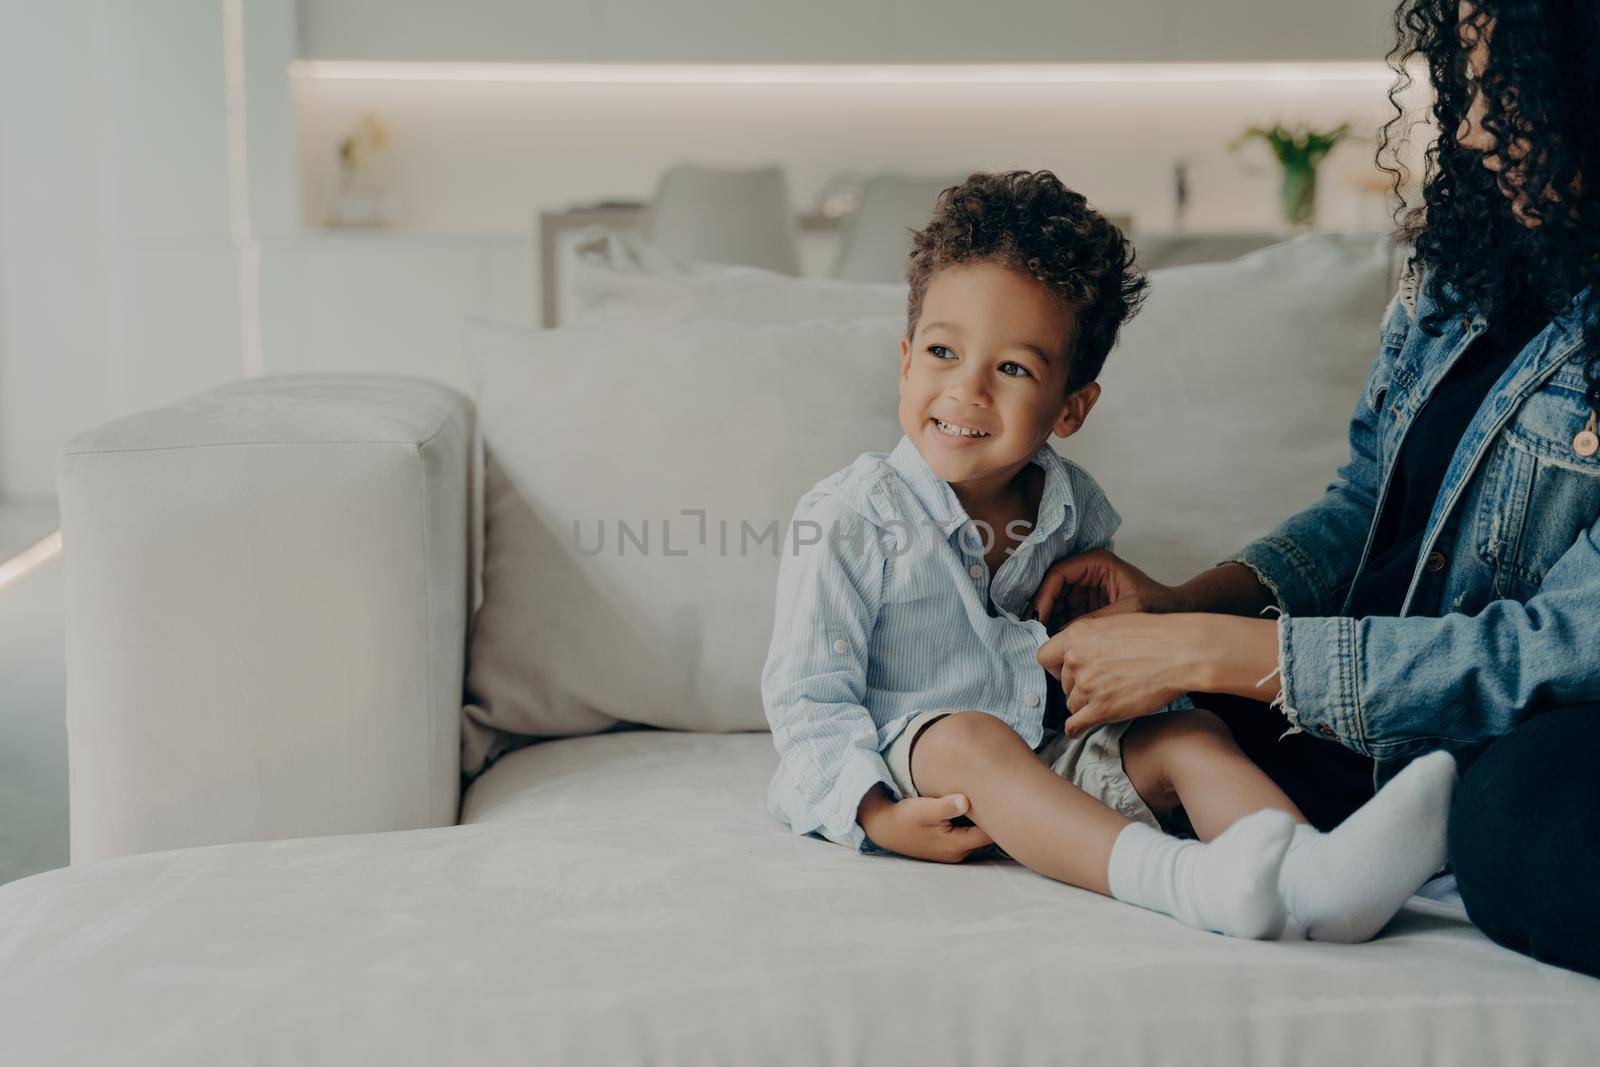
[[270, 589]]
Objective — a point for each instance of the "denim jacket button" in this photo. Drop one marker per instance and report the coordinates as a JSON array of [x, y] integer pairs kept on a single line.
[[1586, 443], [1435, 561]]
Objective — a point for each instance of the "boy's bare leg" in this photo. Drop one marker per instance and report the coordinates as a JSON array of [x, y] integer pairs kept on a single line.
[[1043, 821], [1339, 886], [1228, 885], [1190, 757]]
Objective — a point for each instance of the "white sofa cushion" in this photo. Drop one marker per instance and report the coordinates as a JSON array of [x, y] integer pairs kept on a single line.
[[626, 898], [1225, 408], [636, 422]]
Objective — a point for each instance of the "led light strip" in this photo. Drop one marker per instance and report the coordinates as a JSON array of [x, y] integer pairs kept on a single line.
[[30, 559], [842, 73]]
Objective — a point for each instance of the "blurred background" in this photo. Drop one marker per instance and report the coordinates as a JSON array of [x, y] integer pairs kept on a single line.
[[192, 191]]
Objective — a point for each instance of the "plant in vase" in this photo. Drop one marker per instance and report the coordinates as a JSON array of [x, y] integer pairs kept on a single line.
[[360, 202], [1299, 149]]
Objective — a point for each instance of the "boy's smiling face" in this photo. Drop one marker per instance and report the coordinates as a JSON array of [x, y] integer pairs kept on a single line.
[[989, 354]]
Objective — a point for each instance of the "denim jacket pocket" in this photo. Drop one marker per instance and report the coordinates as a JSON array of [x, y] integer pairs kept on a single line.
[[1539, 493]]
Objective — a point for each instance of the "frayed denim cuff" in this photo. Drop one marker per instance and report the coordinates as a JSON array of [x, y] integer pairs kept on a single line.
[[1286, 571], [1320, 678]]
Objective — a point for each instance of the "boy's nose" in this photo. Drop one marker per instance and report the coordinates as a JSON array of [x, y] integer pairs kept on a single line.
[[970, 388]]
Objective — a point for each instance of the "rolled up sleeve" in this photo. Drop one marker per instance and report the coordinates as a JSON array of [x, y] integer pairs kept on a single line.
[[1395, 687], [830, 587]]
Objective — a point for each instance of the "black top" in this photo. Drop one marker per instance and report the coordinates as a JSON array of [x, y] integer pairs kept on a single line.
[[1419, 470], [1055, 705]]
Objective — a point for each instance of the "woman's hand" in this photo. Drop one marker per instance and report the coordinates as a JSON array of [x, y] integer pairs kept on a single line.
[[1097, 584], [1117, 667]]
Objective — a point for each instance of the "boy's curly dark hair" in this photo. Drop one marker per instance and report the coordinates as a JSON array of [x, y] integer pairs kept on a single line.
[[1540, 84], [1030, 222]]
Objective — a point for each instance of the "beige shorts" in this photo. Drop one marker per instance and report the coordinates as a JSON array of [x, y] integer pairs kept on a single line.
[[1092, 762]]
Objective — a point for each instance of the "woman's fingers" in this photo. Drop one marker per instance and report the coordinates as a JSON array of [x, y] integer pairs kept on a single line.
[[1084, 720], [1044, 600], [1080, 600], [1125, 606], [1085, 570]]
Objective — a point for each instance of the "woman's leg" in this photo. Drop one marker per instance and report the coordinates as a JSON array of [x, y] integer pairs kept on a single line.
[[1525, 838], [1053, 827], [1322, 778]]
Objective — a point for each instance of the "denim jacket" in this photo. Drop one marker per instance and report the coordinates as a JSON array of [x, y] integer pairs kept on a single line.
[[1502, 616]]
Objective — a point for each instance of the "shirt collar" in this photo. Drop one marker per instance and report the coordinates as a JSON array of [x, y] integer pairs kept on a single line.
[[945, 508]]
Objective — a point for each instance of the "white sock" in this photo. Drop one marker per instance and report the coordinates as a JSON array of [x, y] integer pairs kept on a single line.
[[1346, 884], [1228, 885]]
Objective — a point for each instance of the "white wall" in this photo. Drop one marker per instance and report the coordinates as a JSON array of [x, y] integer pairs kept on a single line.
[[483, 157], [119, 259], [830, 31], [117, 269], [54, 281]]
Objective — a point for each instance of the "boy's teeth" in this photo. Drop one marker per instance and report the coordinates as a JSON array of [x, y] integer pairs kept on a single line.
[[947, 428]]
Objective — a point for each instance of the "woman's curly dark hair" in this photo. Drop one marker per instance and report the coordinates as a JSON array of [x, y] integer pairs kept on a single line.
[[1030, 222], [1541, 84]]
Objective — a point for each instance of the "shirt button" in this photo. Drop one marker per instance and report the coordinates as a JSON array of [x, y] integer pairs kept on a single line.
[[1032, 700], [1435, 561], [976, 570], [840, 646]]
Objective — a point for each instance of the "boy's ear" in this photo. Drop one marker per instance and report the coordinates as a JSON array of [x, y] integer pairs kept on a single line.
[[1076, 409], [905, 356]]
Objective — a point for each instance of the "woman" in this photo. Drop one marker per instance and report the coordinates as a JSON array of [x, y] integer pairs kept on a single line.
[[1445, 591]]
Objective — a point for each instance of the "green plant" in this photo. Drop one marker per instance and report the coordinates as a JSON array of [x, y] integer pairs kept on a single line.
[[1299, 149], [369, 137]]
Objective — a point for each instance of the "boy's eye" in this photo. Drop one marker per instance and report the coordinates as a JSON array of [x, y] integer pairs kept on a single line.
[[934, 351], [1019, 366]]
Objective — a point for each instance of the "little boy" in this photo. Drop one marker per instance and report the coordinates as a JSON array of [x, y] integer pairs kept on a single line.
[[908, 707]]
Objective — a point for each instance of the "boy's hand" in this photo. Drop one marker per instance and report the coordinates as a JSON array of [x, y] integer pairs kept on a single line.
[[1097, 584], [921, 827]]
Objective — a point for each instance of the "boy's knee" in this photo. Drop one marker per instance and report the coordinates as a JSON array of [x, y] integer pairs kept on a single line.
[[962, 738]]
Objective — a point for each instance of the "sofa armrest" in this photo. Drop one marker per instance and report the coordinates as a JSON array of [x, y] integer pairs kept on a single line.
[[267, 609]]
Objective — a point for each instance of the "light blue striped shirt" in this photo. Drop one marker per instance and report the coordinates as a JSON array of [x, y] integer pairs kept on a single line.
[[883, 611]]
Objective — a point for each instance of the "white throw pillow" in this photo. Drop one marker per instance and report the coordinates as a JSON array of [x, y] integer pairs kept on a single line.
[[617, 274], [641, 421], [1224, 410], [1226, 405]]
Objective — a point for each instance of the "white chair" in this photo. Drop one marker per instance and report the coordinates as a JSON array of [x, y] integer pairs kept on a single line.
[[710, 215], [877, 238]]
